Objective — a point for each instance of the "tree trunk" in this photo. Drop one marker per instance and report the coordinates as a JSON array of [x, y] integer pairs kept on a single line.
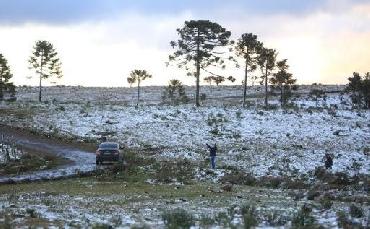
[[41, 73], [138, 91], [1, 89], [40, 89], [197, 73], [197, 103], [245, 82], [266, 102], [281, 95]]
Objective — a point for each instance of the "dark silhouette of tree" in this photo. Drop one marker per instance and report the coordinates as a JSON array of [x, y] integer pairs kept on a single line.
[[138, 76], [45, 62], [130, 81], [200, 44], [231, 79], [174, 93], [246, 47], [359, 88], [266, 61], [208, 79], [5, 76], [219, 79], [283, 81]]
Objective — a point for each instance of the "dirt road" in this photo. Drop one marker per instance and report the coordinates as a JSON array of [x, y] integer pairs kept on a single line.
[[81, 159]]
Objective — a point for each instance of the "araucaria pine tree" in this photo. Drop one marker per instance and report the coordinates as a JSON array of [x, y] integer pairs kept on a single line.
[[5, 76], [246, 48], [283, 81], [200, 45], [175, 93], [45, 62], [359, 87], [266, 61], [138, 76]]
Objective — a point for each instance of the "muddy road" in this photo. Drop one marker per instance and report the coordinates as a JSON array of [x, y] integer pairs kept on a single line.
[[80, 158]]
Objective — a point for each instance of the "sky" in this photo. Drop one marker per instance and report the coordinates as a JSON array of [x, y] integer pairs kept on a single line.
[[100, 41]]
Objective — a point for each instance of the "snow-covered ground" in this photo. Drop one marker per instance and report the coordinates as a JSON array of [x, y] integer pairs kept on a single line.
[[287, 143], [274, 142], [274, 208]]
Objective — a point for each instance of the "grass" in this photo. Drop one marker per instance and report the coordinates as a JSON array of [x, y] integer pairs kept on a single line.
[[133, 196], [31, 162], [90, 186]]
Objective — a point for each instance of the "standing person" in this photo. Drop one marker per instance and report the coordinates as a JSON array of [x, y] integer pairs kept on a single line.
[[212, 154], [328, 161]]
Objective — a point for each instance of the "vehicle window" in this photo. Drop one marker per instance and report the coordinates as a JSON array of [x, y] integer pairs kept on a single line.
[[108, 146]]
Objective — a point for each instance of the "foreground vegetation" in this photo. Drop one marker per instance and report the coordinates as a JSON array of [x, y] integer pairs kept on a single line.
[[149, 193]]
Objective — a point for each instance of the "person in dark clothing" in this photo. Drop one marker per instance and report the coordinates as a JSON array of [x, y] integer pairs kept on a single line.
[[212, 154], [328, 161]]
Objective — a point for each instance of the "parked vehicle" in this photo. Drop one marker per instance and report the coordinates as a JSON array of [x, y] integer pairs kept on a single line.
[[108, 152]]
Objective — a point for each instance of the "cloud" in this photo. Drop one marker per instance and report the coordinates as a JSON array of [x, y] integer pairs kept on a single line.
[[323, 43], [97, 54], [76, 11]]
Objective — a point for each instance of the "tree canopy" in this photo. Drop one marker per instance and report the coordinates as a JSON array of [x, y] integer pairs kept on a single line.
[[283, 81], [138, 76], [359, 87], [199, 45], [5, 76], [174, 93], [45, 62], [246, 48], [266, 60]]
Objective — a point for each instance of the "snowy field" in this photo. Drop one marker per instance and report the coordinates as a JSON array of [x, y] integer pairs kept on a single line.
[[274, 142], [262, 143]]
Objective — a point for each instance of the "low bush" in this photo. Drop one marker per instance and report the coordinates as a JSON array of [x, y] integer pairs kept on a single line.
[[303, 219], [167, 172], [249, 216], [270, 181], [206, 221], [223, 219], [295, 184], [312, 194], [31, 212], [276, 219], [345, 223], [238, 177], [326, 202], [355, 212], [102, 226], [178, 218], [320, 172]]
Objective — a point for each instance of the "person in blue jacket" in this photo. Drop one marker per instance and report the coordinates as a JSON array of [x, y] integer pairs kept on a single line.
[[212, 154]]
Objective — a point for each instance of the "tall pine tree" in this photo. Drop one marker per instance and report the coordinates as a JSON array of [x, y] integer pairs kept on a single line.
[[283, 81], [5, 76], [199, 45], [266, 60], [246, 48], [45, 62]]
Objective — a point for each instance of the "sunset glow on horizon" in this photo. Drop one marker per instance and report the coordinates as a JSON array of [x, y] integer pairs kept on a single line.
[[100, 42]]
